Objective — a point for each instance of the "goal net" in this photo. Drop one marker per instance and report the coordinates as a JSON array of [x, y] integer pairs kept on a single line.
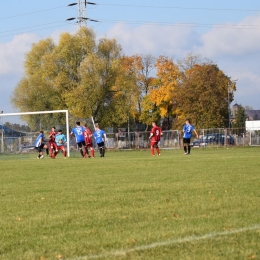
[[18, 131]]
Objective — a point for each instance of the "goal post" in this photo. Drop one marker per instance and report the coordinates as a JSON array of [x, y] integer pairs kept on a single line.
[[45, 112]]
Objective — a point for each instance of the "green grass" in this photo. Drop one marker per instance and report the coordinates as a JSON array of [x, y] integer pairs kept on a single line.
[[127, 202]]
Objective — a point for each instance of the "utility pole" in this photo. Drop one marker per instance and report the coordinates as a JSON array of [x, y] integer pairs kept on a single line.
[[82, 13], [230, 89]]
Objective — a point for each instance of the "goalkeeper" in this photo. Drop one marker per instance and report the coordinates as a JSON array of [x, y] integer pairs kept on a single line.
[[60, 140]]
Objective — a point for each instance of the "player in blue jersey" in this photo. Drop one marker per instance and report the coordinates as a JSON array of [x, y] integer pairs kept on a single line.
[[60, 140], [78, 132], [187, 133], [100, 137], [40, 145]]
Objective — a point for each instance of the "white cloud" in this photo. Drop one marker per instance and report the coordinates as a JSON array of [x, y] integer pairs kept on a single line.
[[233, 41], [12, 53], [236, 51], [157, 40]]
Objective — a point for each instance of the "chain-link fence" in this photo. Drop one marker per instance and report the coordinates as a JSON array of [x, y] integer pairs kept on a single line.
[[227, 137], [140, 140], [220, 137]]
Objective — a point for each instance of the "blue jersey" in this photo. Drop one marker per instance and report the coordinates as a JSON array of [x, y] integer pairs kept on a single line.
[[78, 132], [187, 129], [98, 134], [39, 140], [60, 139]]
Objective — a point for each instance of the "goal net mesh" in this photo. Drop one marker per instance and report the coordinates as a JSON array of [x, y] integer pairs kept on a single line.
[[19, 132]]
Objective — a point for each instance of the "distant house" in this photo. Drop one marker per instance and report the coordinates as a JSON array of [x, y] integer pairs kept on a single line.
[[251, 114]]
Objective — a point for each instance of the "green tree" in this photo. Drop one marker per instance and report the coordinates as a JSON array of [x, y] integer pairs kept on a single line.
[[105, 90], [76, 74], [240, 119]]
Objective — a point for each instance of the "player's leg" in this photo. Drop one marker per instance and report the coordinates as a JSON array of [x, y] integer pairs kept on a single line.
[[157, 149], [189, 146], [152, 148], [64, 151], [40, 149], [80, 149], [55, 147], [46, 149], [101, 149], [56, 151], [185, 145], [51, 148], [92, 151], [86, 151]]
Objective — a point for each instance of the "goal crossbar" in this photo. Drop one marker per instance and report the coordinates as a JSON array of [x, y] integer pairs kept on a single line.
[[47, 112]]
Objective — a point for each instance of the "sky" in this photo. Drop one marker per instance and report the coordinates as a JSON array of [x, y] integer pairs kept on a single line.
[[226, 32]]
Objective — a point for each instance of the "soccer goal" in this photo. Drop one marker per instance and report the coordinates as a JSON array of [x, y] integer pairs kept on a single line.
[[18, 131]]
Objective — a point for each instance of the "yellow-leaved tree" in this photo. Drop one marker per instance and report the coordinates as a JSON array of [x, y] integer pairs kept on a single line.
[[77, 74], [161, 97]]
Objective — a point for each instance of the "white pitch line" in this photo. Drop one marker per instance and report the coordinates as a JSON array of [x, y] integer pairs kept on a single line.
[[166, 243]]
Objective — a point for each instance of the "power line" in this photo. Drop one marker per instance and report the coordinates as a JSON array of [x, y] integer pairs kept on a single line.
[[186, 8], [30, 27], [215, 26], [241, 26], [40, 11], [141, 6], [1, 36]]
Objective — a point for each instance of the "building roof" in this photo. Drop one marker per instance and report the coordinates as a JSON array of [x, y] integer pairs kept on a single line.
[[255, 114]]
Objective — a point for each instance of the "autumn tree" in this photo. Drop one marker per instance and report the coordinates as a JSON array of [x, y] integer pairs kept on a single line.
[[76, 74], [36, 91], [140, 68], [104, 91], [162, 93], [202, 96]]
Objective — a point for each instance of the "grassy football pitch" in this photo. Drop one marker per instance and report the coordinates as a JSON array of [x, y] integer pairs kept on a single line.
[[130, 205]]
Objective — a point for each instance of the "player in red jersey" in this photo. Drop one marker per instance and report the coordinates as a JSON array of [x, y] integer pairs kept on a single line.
[[155, 136], [88, 142], [52, 143]]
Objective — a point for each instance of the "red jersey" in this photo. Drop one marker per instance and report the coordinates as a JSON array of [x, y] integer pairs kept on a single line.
[[156, 134], [52, 136], [88, 136]]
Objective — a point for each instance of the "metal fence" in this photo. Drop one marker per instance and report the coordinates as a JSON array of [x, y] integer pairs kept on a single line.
[[172, 139], [140, 140], [229, 137]]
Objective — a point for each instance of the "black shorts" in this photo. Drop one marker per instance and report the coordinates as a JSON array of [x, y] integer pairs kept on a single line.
[[101, 144], [80, 144], [40, 148], [186, 140]]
